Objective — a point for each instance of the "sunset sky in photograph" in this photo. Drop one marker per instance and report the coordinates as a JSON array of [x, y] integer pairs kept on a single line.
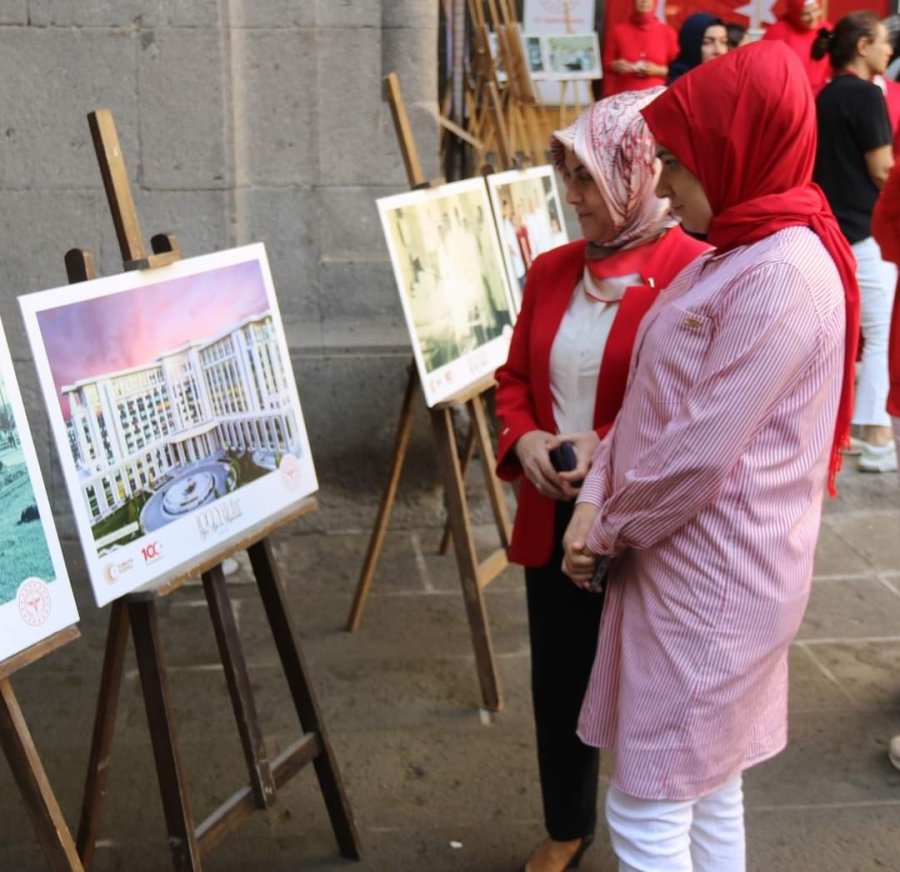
[[129, 328]]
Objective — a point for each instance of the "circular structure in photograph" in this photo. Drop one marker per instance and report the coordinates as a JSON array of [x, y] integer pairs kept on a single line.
[[185, 492]]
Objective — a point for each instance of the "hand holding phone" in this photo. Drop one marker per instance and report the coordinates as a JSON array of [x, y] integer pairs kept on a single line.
[[563, 458]]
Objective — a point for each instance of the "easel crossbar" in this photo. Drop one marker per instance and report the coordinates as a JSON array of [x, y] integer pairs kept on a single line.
[[213, 831]]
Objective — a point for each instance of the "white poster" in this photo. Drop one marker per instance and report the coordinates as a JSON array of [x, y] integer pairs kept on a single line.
[[558, 16], [174, 410], [552, 18], [452, 283], [35, 595]]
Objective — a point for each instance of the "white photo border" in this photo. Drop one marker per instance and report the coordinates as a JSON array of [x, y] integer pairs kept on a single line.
[[211, 528]]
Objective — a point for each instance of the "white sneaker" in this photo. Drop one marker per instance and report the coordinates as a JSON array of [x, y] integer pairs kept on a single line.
[[878, 458], [894, 752], [855, 448]]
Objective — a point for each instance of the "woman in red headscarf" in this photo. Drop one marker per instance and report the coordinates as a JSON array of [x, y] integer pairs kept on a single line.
[[638, 51], [798, 27], [703, 503], [563, 383]]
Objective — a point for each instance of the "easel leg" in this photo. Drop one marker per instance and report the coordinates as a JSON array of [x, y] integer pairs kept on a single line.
[[53, 834], [104, 726], [481, 434], [172, 786], [454, 488], [376, 541], [468, 454], [239, 687], [298, 679]]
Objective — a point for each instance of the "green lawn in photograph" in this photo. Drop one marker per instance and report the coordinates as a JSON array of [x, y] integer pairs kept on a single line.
[[23, 548]]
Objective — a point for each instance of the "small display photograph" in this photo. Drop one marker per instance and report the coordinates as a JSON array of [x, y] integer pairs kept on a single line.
[[529, 218], [174, 410], [534, 55], [35, 595], [453, 286], [572, 56]]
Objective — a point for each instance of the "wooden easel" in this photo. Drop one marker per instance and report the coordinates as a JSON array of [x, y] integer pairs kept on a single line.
[[474, 575], [139, 611], [53, 835]]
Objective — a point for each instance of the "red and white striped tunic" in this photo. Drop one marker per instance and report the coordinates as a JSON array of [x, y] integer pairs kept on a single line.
[[710, 486]]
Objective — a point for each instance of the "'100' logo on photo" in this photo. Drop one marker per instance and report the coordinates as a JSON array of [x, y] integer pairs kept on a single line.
[[151, 552]]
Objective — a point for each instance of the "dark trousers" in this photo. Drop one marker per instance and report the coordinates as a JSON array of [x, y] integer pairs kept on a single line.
[[563, 623]]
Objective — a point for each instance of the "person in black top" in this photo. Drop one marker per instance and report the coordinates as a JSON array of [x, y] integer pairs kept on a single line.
[[853, 159]]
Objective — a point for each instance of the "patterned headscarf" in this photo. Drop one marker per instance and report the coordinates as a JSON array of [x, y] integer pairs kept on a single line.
[[614, 144]]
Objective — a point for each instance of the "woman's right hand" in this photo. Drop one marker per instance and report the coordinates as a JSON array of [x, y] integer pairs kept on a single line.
[[533, 451]]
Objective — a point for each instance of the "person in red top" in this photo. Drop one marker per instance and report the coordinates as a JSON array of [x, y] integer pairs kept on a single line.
[[798, 27], [563, 382], [638, 51], [886, 232]]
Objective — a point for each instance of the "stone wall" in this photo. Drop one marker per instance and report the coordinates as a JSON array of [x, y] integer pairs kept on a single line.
[[240, 120]]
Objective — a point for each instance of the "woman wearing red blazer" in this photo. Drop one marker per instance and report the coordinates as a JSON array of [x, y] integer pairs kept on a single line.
[[563, 382]]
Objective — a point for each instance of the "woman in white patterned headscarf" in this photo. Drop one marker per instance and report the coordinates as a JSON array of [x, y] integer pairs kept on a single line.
[[562, 385]]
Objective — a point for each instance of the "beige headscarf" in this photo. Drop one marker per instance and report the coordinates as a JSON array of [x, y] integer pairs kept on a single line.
[[613, 142]]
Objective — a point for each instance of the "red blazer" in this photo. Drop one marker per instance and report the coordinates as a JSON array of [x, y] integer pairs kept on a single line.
[[523, 400]]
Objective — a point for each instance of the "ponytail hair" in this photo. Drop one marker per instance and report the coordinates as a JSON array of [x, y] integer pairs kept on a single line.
[[840, 44], [821, 44]]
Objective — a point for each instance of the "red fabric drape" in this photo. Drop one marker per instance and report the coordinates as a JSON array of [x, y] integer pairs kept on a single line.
[[754, 154]]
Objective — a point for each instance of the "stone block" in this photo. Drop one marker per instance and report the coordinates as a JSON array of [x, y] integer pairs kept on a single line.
[[185, 110], [275, 107], [37, 228], [351, 129], [349, 13], [360, 305], [51, 80], [197, 13], [200, 219], [274, 14], [410, 14], [13, 11], [348, 223], [351, 404], [285, 220], [85, 13]]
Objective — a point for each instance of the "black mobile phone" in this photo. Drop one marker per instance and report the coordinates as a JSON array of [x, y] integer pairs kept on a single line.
[[563, 458]]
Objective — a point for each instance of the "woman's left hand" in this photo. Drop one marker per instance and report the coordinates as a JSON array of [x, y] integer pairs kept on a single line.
[[585, 445]]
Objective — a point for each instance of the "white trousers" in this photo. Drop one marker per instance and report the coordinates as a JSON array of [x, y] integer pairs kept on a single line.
[[701, 835], [877, 280]]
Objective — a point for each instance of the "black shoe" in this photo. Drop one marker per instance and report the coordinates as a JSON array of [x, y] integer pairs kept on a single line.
[[586, 842], [575, 860]]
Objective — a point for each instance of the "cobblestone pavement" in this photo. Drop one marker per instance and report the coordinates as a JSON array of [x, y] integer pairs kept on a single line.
[[436, 783]]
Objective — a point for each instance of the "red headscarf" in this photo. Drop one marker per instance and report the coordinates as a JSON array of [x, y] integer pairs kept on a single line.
[[745, 125]]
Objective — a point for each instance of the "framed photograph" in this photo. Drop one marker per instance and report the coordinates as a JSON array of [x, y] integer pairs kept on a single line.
[[35, 595], [533, 50], [529, 217], [174, 410], [572, 56], [453, 286]]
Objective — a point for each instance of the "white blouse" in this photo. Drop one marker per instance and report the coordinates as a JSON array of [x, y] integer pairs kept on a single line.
[[578, 350]]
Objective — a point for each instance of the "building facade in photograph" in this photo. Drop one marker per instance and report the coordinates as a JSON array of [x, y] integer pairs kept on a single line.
[[129, 429]]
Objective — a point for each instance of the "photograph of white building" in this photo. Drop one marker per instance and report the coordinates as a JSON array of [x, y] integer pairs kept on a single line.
[[165, 429], [181, 399]]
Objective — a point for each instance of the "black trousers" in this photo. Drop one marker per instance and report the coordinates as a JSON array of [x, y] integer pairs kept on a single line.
[[563, 623]]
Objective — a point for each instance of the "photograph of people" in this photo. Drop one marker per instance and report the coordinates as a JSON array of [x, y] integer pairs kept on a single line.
[[563, 381], [703, 503]]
